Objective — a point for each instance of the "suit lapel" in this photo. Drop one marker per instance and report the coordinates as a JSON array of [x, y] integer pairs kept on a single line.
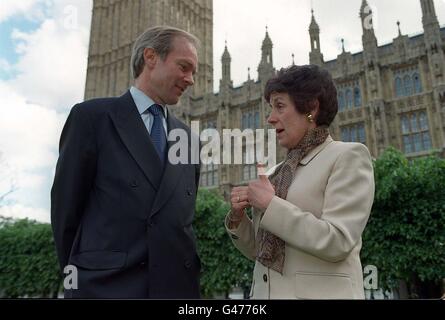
[[312, 154], [172, 173], [134, 135]]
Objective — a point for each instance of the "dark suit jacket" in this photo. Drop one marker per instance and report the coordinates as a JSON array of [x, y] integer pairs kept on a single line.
[[122, 221]]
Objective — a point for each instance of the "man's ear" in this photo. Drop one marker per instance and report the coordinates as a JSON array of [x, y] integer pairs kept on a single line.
[[150, 57]]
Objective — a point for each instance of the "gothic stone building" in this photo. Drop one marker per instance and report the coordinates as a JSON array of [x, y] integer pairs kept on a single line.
[[389, 95]]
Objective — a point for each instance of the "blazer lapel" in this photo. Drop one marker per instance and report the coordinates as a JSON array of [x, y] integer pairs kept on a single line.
[[134, 135], [311, 155], [172, 173]]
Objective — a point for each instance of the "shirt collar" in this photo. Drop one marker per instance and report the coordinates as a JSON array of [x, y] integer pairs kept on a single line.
[[143, 102]]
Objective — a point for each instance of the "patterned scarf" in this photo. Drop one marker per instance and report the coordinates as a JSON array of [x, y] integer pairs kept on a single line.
[[270, 248]]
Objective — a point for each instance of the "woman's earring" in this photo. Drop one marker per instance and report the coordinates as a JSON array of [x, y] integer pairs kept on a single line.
[[310, 118]]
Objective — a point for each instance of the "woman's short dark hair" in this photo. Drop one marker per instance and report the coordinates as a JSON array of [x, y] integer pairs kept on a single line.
[[305, 84]]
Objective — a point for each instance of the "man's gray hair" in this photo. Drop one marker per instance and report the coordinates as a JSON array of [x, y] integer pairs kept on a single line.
[[159, 39]]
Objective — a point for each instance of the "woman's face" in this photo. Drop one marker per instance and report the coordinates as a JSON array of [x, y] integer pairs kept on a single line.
[[290, 125]]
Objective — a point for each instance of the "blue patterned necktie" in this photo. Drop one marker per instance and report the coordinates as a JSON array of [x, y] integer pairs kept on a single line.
[[157, 131]]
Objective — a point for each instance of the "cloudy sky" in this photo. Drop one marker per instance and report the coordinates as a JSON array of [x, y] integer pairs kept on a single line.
[[43, 56]]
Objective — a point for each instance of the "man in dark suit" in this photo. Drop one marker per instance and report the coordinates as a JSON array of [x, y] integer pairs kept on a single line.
[[121, 212]]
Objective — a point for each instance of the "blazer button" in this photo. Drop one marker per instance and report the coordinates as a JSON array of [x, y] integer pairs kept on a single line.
[[143, 264], [150, 224], [187, 264], [265, 277], [134, 184], [189, 192]]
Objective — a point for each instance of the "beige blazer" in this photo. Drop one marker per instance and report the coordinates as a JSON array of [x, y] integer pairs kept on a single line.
[[321, 221]]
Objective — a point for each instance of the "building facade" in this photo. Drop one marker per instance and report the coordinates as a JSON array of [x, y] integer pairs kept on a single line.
[[117, 23], [394, 94], [389, 95]]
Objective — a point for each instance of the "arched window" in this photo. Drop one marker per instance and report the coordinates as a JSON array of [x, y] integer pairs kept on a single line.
[[399, 88], [345, 135], [361, 134], [414, 126], [257, 120], [417, 140], [405, 125], [357, 97], [244, 125], [417, 83], [349, 98], [341, 100], [407, 85], [250, 125], [353, 132], [407, 142], [415, 130], [215, 177], [426, 140], [423, 121]]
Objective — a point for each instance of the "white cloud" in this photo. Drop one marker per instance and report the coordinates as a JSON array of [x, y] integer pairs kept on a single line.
[[29, 136], [19, 211], [50, 77], [10, 8], [52, 68], [5, 66], [31, 131]]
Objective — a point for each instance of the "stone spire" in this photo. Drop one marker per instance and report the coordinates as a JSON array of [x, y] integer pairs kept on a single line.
[[226, 60], [430, 23], [226, 78], [369, 39], [266, 49], [315, 56], [265, 68], [314, 25], [433, 42], [428, 13]]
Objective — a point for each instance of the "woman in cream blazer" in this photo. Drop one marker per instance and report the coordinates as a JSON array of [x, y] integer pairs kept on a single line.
[[327, 205]]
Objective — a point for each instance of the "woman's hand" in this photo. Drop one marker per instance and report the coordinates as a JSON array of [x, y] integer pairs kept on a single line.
[[239, 201], [260, 193]]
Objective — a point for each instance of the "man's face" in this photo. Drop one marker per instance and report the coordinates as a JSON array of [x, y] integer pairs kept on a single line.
[[169, 78]]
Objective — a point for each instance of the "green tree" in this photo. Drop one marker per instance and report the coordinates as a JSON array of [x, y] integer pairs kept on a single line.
[[405, 235], [224, 267], [29, 267], [28, 260]]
